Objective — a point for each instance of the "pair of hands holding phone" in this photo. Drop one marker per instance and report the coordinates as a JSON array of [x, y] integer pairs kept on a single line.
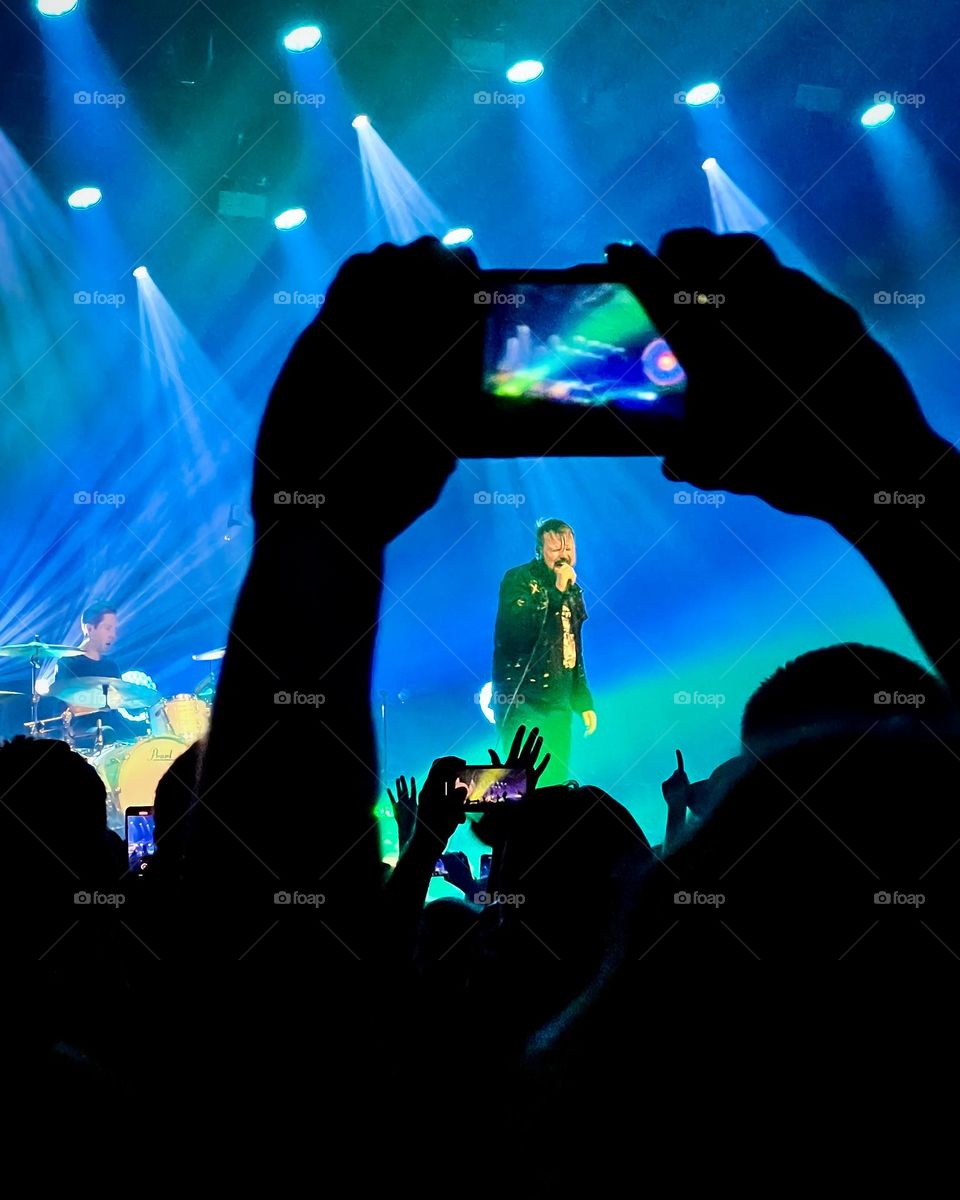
[[788, 397]]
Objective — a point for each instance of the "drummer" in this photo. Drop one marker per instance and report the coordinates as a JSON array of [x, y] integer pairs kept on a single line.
[[100, 632]]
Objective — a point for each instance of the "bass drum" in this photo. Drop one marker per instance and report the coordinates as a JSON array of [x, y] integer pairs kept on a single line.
[[131, 774]]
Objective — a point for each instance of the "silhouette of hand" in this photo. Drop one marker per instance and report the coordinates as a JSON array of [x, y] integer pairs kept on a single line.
[[788, 397], [676, 788], [524, 751], [440, 809], [459, 872], [404, 809], [370, 384]]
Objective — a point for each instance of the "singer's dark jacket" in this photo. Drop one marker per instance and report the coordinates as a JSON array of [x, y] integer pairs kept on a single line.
[[529, 624]]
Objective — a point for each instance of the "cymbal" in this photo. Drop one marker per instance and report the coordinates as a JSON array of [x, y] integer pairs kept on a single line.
[[209, 655], [37, 649], [88, 692], [4, 695]]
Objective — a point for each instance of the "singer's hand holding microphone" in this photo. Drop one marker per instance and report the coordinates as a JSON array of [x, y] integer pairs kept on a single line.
[[566, 575]]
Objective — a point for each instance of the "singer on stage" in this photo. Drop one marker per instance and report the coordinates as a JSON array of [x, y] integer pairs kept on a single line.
[[538, 672]]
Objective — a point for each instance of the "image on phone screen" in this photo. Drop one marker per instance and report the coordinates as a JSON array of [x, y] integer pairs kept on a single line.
[[577, 343], [140, 841], [487, 787]]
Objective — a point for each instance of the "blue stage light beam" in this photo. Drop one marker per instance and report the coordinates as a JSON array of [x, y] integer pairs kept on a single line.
[[393, 195], [735, 212]]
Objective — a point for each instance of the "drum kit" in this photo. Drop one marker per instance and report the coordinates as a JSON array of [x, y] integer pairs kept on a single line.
[[130, 766]]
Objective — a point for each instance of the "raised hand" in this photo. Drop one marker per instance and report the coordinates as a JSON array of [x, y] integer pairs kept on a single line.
[[459, 872], [374, 372], [441, 804], [788, 397], [524, 751], [404, 809]]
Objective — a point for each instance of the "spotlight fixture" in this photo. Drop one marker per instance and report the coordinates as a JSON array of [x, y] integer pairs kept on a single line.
[[56, 8], [703, 93], [525, 71], [708, 164], [85, 197], [141, 273], [877, 114], [457, 237], [303, 38], [290, 218], [361, 121]]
